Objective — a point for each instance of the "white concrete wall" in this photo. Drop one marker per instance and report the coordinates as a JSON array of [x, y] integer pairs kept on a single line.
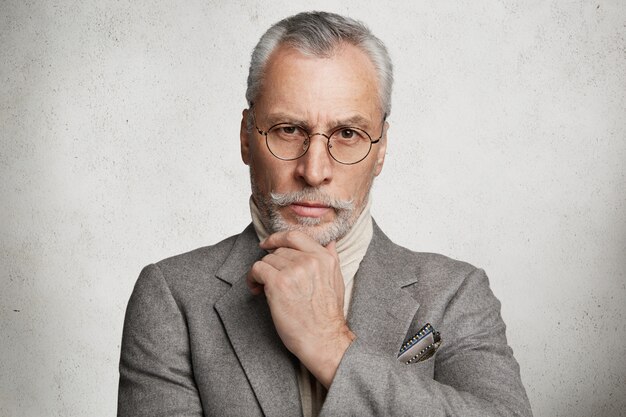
[[119, 146]]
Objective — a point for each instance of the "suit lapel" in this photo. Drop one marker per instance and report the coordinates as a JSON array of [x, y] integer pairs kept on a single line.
[[268, 365], [381, 311]]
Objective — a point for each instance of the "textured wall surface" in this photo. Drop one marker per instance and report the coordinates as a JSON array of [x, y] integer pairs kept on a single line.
[[119, 146]]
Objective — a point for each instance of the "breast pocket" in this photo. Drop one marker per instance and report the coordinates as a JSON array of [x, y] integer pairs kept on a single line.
[[421, 346]]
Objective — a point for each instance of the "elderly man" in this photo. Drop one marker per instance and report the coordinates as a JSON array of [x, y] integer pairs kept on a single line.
[[312, 310]]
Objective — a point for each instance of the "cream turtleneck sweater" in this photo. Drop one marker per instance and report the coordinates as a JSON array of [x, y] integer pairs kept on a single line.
[[351, 250]]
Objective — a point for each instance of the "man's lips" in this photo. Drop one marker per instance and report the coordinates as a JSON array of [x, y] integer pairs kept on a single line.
[[309, 209]]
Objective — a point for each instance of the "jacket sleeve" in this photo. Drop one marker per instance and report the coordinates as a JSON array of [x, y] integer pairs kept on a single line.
[[475, 373], [156, 377]]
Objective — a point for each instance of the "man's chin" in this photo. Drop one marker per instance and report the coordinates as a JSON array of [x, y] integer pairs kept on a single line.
[[311, 225], [322, 232], [302, 221]]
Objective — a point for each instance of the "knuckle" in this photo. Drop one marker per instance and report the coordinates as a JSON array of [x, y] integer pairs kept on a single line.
[[310, 262], [301, 270], [257, 267]]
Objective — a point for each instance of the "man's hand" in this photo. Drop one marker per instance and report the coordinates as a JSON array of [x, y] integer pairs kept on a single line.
[[304, 289]]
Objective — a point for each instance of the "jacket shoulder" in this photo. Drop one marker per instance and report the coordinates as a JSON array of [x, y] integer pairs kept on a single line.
[[190, 276], [434, 273], [426, 264], [430, 266], [437, 264]]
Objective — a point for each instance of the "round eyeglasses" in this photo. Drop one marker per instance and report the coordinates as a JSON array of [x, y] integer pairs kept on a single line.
[[346, 145]]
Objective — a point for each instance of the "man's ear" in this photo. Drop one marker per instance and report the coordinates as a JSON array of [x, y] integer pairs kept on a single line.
[[244, 138], [381, 151]]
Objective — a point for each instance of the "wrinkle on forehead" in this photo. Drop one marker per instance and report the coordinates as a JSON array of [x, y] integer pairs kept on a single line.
[[320, 92]]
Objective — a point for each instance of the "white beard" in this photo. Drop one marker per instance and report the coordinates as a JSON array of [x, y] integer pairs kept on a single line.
[[346, 214]]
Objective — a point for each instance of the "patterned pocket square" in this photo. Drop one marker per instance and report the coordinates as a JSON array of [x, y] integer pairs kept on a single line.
[[421, 346]]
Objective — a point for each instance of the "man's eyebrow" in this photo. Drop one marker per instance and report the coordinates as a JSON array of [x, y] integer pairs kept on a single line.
[[281, 117], [355, 120]]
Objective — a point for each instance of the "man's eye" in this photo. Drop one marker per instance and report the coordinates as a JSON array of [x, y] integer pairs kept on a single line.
[[288, 133], [289, 130], [347, 134]]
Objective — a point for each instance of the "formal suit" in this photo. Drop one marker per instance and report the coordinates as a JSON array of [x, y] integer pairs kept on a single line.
[[196, 342]]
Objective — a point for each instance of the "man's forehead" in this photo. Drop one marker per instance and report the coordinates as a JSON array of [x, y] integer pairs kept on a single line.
[[357, 60], [298, 87]]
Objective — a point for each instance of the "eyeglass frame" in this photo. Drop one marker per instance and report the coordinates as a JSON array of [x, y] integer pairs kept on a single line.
[[310, 135]]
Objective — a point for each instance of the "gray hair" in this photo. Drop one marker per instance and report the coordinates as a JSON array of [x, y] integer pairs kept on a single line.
[[319, 34]]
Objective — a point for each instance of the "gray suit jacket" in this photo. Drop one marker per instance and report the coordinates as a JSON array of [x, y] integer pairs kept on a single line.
[[196, 342]]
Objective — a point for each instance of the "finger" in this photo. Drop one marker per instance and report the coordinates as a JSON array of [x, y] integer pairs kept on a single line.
[[259, 275], [280, 259], [255, 288], [291, 254], [332, 248], [291, 239]]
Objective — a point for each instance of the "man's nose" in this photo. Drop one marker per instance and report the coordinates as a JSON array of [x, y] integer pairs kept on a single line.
[[315, 167]]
